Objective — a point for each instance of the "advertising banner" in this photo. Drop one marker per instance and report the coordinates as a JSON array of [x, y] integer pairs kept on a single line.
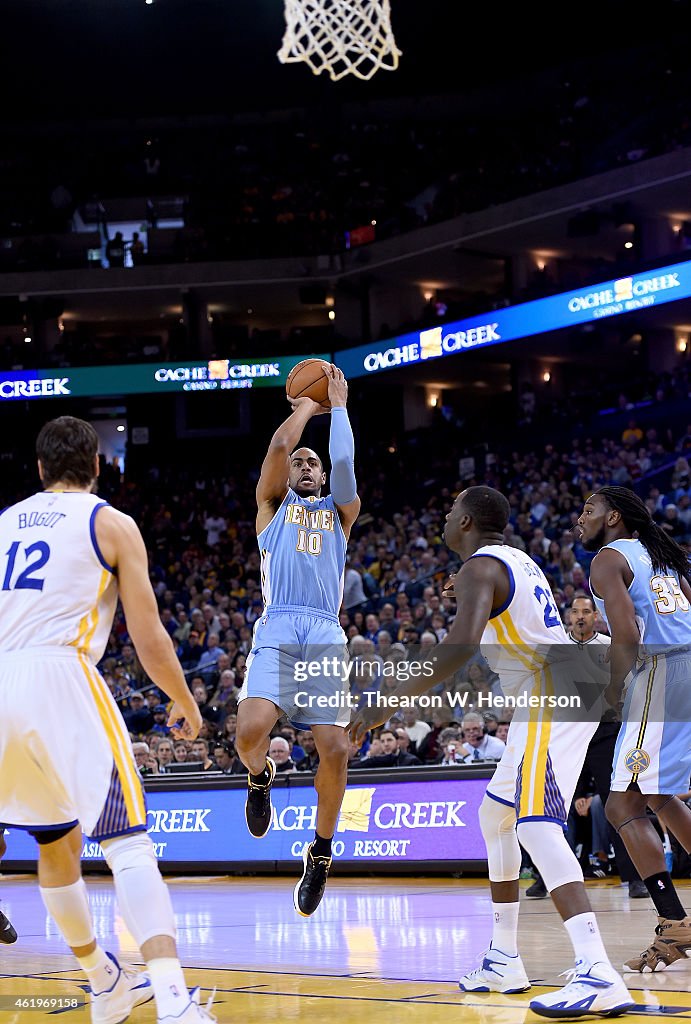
[[431, 820], [567, 309], [148, 378]]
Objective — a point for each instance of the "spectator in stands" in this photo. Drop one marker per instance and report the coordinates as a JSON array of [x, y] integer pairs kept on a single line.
[[164, 754], [200, 752], [115, 250], [353, 589], [191, 651], [138, 717], [428, 749], [451, 747], [227, 760], [181, 751], [136, 247], [477, 742], [392, 756], [415, 727], [160, 720], [310, 762], [142, 758], [279, 751]]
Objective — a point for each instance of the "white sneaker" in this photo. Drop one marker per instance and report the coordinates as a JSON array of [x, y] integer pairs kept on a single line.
[[131, 988], [498, 972], [192, 1012], [593, 990]]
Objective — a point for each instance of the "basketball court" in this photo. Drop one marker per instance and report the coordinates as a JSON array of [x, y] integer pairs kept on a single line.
[[377, 948]]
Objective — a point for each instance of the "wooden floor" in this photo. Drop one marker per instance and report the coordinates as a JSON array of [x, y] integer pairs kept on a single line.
[[390, 950]]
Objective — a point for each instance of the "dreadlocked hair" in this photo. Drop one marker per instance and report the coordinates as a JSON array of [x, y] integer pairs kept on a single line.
[[664, 552]]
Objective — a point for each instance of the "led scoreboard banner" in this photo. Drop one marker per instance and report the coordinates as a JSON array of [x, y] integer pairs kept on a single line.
[[147, 378], [567, 309], [399, 819]]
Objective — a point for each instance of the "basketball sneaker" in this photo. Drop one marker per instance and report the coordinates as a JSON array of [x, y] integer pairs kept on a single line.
[[308, 892], [538, 890], [258, 804], [498, 972], [131, 988], [194, 1012], [672, 943], [593, 990], [7, 933]]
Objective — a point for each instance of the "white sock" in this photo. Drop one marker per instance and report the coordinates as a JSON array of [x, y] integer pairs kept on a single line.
[[505, 927], [170, 990], [586, 939], [99, 969]]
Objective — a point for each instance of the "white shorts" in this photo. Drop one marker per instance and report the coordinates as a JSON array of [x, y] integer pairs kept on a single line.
[[546, 749], [653, 747], [65, 753], [540, 767]]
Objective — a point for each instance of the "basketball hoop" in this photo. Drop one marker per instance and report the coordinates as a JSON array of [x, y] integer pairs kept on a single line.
[[342, 37]]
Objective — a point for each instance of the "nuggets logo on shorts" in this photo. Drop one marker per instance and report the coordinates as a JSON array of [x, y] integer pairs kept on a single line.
[[637, 761]]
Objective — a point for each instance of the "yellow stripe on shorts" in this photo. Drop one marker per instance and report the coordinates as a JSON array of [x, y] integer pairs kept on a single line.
[[129, 780]]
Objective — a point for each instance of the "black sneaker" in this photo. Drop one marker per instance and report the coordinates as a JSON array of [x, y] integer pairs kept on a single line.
[[7, 933], [537, 891], [308, 892], [600, 869], [638, 890], [258, 804]]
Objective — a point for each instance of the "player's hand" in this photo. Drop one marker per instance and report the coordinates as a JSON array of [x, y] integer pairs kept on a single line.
[[582, 805], [449, 588], [614, 698], [313, 408], [338, 386], [185, 722], [365, 719]]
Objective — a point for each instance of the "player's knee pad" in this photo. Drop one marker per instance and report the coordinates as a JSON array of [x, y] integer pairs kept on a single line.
[[547, 845], [142, 894], [498, 824]]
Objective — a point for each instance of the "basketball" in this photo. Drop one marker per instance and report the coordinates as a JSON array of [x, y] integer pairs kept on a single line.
[[307, 380]]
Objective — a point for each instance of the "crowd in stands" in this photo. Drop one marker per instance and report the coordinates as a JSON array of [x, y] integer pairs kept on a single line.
[[314, 181]]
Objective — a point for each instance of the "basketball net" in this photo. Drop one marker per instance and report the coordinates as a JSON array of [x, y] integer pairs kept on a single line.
[[343, 37]]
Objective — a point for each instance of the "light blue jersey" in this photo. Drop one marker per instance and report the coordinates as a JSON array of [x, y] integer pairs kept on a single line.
[[303, 551], [653, 749], [661, 607]]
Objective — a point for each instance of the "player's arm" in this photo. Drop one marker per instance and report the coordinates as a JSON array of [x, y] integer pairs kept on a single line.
[[342, 451], [273, 479], [481, 585], [122, 547], [610, 578]]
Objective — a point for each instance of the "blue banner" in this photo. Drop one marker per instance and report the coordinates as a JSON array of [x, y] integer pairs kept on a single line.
[[434, 820], [567, 309]]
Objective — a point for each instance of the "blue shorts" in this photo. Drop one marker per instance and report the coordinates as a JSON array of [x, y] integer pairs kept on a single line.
[[653, 747], [299, 660]]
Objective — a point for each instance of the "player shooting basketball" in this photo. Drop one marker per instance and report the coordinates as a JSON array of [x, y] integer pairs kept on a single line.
[[302, 539]]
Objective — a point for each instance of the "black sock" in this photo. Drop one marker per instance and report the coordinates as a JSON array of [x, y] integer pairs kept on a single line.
[[321, 847], [664, 896], [262, 779]]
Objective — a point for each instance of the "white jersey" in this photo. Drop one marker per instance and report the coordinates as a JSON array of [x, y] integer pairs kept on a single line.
[[526, 626], [56, 587]]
